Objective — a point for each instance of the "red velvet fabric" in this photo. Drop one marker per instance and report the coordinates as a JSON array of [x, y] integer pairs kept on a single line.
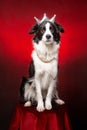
[[29, 119]]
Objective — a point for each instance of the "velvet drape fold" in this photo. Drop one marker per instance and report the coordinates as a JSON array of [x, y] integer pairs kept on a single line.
[[29, 119]]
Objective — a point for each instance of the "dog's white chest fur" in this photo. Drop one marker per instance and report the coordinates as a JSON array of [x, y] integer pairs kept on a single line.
[[46, 71]]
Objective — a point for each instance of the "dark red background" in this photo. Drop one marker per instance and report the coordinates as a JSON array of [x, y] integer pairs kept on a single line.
[[16, 18]]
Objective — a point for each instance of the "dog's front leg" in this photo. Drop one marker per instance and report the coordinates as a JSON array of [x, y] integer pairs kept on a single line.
[[51, 88], [40, 104]]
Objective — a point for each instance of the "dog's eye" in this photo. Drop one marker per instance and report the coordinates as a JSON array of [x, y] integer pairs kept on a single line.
[[43, 30], [51, 29]]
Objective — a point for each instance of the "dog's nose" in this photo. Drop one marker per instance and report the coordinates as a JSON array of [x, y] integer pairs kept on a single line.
[[48, 36]]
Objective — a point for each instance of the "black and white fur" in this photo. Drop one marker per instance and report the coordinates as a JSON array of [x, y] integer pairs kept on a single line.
[[46, 44]]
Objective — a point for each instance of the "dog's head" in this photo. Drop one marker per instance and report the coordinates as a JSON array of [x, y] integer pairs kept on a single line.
[[46, 30]]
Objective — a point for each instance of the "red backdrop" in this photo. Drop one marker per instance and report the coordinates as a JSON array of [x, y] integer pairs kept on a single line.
[[16, 19]]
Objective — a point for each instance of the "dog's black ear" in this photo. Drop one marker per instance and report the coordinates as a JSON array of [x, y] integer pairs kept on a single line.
[[34, 29], [59, 28]]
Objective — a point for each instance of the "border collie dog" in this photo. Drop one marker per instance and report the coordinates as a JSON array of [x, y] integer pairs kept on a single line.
[[42, 84]]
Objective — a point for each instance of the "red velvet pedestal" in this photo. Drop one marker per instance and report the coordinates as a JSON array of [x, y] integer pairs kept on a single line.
[[29, 119]]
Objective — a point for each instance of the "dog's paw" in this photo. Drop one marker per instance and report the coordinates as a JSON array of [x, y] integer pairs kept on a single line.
[[27, 104], [59, 101], [48, 106], [40, 108]]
